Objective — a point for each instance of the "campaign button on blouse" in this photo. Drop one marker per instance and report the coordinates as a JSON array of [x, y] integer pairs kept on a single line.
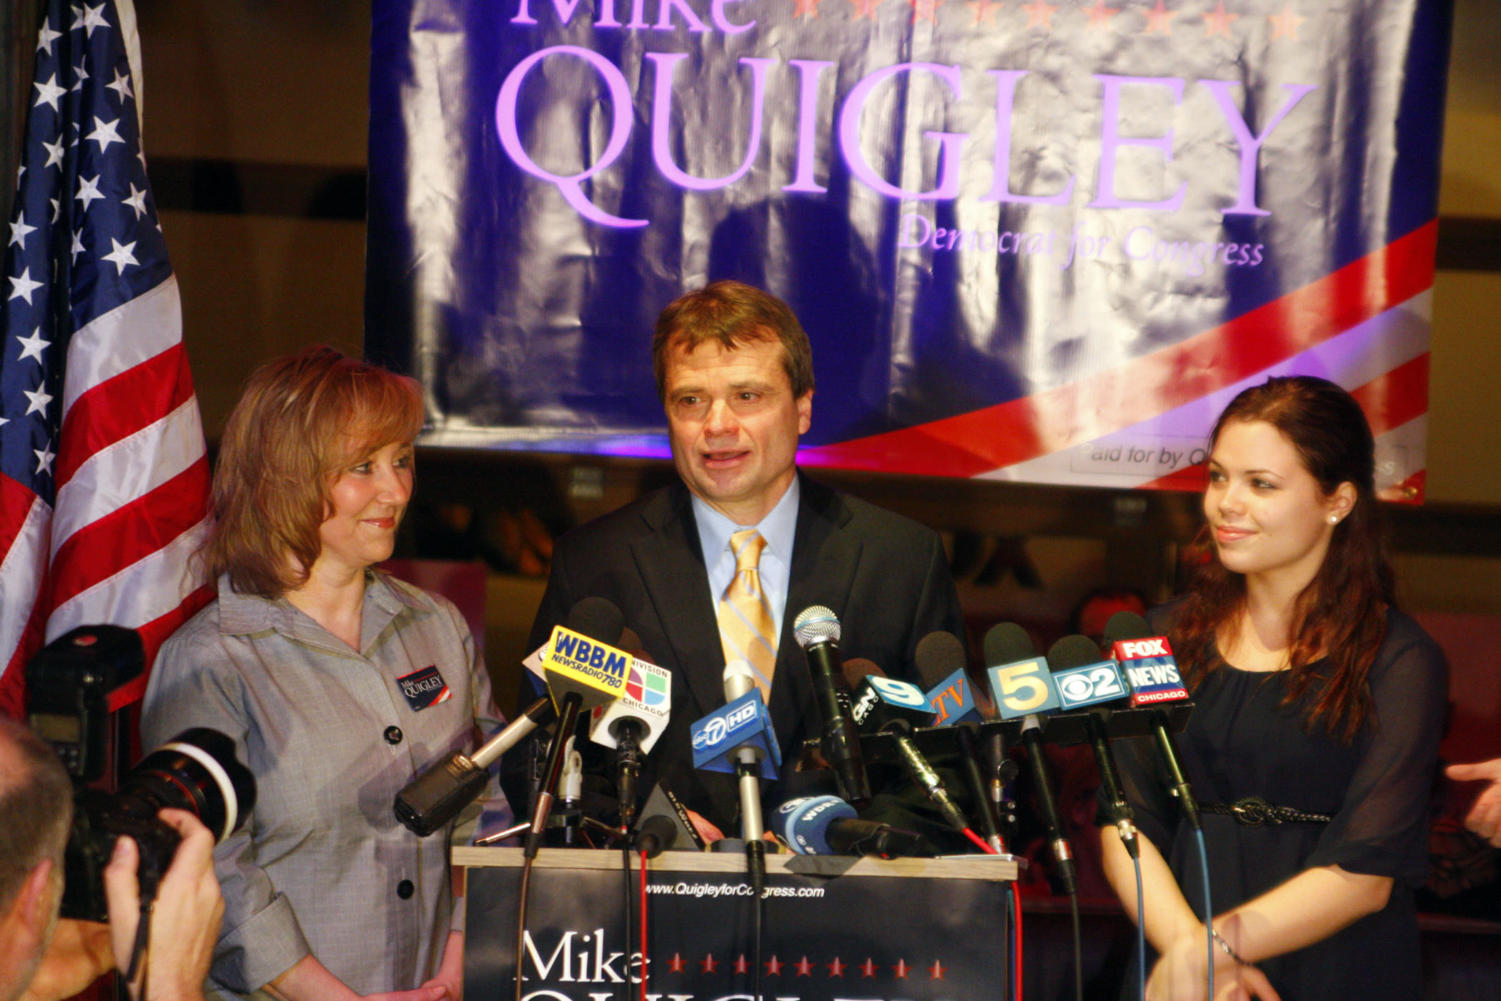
[[405, 889], [393, 734]]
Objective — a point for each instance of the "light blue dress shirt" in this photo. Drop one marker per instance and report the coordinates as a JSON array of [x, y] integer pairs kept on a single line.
[[778, 528]]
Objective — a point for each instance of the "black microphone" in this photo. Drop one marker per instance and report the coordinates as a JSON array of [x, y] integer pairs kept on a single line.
[[817, 631], [631, 725], [939, 655], [435, 797], [656, 835], [1007, 643], [827, 825], [662, 807], [1077, 651], [1124, 627], [891, 714]]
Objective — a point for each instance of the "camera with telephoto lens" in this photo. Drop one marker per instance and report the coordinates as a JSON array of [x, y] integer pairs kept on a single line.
[[69, 688]]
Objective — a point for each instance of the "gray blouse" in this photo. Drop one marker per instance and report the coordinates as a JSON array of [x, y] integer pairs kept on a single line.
[[322, 865]]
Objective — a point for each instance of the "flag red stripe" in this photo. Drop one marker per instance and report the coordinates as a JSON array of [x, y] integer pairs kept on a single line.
[[13, 682], [1055, 419], [15, 505], [130, 533], [1395, 397], [120, 406], [16, 500], [153, 634]]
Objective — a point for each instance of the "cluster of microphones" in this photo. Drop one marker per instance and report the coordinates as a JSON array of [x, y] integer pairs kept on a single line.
[[1081, 692]]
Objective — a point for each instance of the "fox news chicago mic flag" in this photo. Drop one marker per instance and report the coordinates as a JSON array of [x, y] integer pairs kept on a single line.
[[1030, 240], [103, 476]]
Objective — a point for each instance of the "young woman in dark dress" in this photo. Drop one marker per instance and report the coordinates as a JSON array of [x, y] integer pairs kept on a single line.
[[1313, 694]]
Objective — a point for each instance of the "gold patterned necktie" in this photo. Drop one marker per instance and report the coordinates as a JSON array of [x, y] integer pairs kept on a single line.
[[745, 622]]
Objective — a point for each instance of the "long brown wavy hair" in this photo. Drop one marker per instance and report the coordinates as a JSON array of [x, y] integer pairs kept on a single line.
[[300, 420], [1341, 615]]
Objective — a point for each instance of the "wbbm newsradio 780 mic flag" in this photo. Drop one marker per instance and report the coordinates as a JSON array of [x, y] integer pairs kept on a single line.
[[103, 476]]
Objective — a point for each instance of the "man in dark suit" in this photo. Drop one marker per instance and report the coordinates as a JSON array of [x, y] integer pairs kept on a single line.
[[735, 373]]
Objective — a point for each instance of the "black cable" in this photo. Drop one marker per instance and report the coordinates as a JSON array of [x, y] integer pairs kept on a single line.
[[625, 860], [142, 942], [1013, 947], [1073, 906], [522, 895], [755, 853]]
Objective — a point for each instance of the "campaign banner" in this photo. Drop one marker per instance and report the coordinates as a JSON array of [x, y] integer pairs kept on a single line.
[[867, 933], [1031, 241]]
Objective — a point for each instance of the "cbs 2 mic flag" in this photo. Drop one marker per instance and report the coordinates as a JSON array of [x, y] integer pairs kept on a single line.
[[103, 474]]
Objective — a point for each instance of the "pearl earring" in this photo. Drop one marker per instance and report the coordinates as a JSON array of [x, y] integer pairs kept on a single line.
[[1334, 519]]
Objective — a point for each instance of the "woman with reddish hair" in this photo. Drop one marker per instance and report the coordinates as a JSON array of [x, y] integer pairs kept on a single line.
[[338, 683], [1314, 736]]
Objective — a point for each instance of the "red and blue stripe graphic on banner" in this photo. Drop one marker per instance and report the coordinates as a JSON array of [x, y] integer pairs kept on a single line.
[[1326, 328]]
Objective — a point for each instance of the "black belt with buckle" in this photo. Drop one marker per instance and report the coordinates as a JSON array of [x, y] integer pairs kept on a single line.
[[1253, 811]]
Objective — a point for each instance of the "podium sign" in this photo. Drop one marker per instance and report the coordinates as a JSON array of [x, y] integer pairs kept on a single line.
[[909, 929]]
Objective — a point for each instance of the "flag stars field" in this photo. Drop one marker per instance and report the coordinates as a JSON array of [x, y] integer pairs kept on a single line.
[[105, 133], [33, 346], [121, 256], [89, 19], [48, 92], [22, 286], [19, 231], [121, 86], [88, 190], [136, 200]]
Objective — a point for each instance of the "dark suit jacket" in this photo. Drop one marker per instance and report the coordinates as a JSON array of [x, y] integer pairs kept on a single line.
[[885, 576]]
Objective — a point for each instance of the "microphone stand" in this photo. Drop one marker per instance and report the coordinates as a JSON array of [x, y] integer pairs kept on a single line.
[[627, 733], [1042, 780], [1120, 809], [737, 683], [568, 716], [1179, 788], [969, 757]]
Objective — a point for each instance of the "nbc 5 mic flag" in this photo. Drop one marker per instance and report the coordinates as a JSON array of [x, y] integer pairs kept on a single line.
[[103, 476]]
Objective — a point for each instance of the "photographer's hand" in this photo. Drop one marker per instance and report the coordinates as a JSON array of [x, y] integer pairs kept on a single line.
[[184, 920]]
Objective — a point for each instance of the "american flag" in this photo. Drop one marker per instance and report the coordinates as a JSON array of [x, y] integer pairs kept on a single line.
[[103, 475]]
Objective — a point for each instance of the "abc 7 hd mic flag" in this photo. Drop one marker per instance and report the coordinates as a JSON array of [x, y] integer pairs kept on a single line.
[[741, 722]]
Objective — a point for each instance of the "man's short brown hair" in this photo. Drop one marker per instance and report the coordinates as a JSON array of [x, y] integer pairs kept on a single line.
[[36, 802], [732, 313]]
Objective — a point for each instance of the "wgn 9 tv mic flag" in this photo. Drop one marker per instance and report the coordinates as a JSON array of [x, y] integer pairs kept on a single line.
[[1042, 242]]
